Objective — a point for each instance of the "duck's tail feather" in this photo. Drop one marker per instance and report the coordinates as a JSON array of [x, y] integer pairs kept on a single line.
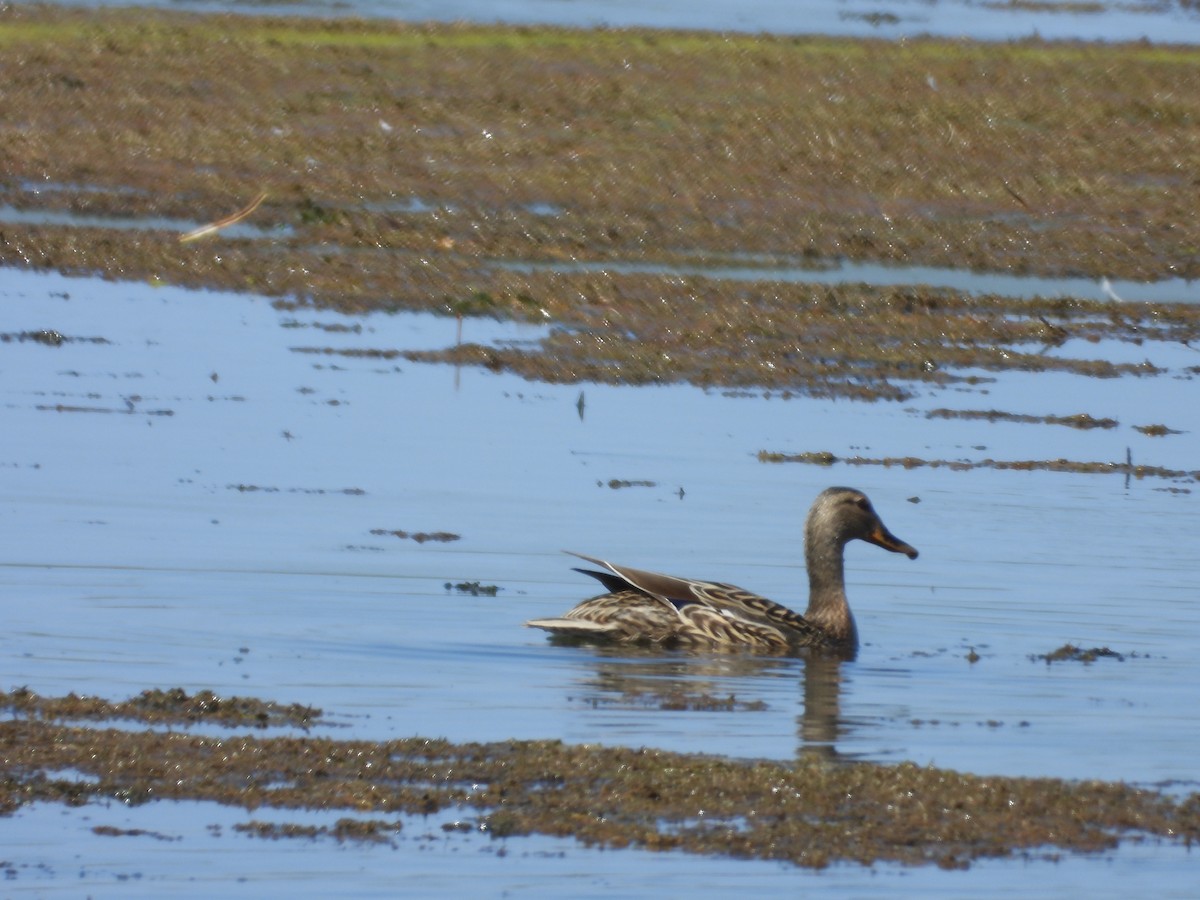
[[575, 627]]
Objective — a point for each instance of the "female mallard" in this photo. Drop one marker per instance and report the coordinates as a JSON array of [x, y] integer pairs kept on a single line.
[[660, 610]]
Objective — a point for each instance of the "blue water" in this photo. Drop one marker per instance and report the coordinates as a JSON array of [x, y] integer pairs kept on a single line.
[[191, 503], [1169, 22], [228, 546]]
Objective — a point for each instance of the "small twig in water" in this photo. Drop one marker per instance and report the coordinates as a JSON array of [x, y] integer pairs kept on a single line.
[[214, 227]]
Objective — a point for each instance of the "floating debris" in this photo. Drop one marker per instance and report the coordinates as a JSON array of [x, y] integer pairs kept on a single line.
[[49, 337], [419, 536], [1155, 430], [350, 352], [255, 488], [474, 588], [372, 831], [1127, 468], [113, 831], [129, 410], [1080, 420], [214, 227], [1071, 653]]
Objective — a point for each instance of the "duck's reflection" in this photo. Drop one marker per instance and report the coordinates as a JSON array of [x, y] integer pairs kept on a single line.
[[821, 723], [625, 679]]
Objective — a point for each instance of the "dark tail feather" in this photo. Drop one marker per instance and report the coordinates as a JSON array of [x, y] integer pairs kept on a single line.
[[611, 582]]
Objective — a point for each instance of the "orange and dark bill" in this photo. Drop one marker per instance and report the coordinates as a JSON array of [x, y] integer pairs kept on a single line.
[[881, 537]]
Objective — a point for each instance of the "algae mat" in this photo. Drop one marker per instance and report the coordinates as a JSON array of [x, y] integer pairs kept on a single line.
[[423, 167]]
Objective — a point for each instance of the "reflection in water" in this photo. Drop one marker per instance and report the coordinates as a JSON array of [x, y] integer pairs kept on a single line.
[[820, 724], [688, 683], [675, 681]]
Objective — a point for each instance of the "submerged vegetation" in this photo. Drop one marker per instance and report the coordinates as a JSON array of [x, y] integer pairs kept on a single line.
[[529, 172], [812, 812]]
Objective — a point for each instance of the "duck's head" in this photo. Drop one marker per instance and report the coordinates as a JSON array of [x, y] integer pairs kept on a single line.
[[845, 514]]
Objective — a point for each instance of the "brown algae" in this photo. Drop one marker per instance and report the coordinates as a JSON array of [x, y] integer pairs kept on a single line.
[[1155, 430], [1127, 468], [1071, 653], [473, 588], [810, 812], [174, 706], [420, 537], [422, 167], [1082, 421]]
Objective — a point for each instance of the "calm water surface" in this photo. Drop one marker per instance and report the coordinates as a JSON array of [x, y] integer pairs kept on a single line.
[[1171, 21], [191, 502]]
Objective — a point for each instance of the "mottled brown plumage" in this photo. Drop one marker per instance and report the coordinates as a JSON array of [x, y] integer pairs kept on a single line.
[[661, 610]]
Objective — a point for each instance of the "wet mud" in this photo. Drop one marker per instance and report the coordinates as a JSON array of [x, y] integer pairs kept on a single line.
[[811, 812], [421, 167]]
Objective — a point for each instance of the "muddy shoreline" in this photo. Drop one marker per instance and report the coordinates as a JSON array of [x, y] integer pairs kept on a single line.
[[410, 167], [812, 813]]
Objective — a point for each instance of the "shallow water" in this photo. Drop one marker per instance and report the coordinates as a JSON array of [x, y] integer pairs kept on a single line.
[[1171, 22], [191, 503]]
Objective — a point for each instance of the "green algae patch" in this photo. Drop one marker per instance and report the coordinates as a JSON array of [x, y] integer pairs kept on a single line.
[[812, 812]]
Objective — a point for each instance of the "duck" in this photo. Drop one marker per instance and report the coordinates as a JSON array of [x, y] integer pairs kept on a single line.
[[667, 612]]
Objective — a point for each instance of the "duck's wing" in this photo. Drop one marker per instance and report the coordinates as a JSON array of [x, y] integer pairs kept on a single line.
[[666, 588], [726, 599], [731, 600]]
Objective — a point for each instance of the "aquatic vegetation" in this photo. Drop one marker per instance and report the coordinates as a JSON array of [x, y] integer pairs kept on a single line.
[[556, 146], [1079, 420], [1127, 468], [419, 536], [1155, 430], [158, 706], [810, 812], [474, 588], [1071, 653]]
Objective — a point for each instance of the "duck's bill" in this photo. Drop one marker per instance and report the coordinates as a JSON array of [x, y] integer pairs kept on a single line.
[[881, 537]]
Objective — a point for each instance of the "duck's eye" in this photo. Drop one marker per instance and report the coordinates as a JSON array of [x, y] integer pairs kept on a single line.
[[863, 503]]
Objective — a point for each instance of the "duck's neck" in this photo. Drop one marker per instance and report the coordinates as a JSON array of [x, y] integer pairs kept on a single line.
[[828, 608]]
